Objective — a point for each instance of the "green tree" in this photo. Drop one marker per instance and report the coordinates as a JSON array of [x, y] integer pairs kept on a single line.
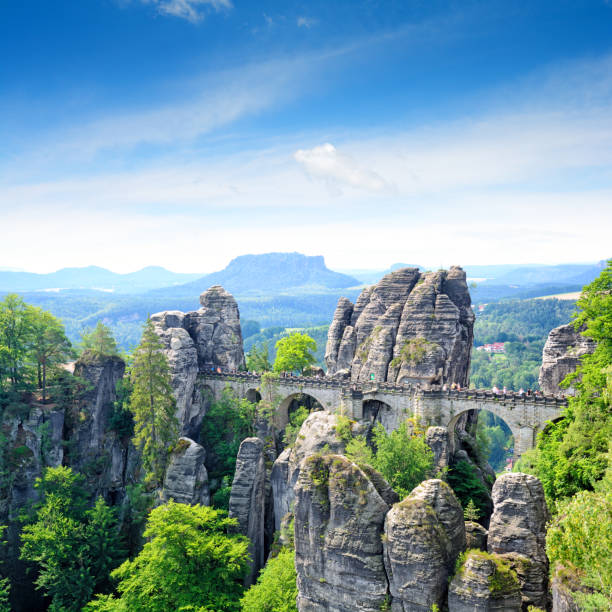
[[258, 358], [579, 541], [50, 346], [571, 454], [276, 588], [152, 405], [74, 547], [15, 341], [190, 561], [99, 341], [294, 353], [402, 457], [471, 512]]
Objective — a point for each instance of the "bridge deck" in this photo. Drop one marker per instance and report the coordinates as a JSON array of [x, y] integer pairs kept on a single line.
[[369, 387]]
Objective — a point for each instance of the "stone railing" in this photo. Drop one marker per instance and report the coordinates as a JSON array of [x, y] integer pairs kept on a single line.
[[369, 387]]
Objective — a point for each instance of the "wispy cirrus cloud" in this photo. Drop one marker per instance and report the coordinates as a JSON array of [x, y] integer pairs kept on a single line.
[[306, 22], [191, 10]]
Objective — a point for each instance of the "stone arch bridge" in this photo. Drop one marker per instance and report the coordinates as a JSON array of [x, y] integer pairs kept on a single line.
[[391, 403]]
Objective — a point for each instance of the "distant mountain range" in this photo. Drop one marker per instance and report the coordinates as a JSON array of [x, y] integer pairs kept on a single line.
[[268, 274], [93, 278]]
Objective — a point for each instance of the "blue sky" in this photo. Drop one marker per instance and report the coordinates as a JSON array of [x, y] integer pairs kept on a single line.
[[186, 132]]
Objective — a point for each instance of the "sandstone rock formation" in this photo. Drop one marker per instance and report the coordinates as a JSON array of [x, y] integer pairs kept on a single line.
[[96, 450], [517, 532], [197, 341], [247, 501], [437, 440], [475, 536], [484, 583], [317, 434], [424, 534], [186, 479], [561, 356], [339, 516], [409, 327]]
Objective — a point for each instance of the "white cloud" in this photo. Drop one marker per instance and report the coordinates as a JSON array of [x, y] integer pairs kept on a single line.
[[338, 170], [306, 22], [191, 10]]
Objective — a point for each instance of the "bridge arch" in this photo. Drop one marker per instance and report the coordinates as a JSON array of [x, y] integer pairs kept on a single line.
[[253, 395], [292, 403], [477, 413]]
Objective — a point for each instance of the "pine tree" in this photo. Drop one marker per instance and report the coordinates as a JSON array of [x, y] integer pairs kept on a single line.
[[471, 512], [152, 404], [99, 341]]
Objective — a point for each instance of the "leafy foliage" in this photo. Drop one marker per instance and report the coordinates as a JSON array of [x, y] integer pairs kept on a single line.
[[152, 405], [276, 589], [190, 561], [74, 547], [572, 454], [294, 353], [401, 456], [580, 540]]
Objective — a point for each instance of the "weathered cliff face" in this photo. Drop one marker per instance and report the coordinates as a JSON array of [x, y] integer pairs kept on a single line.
[[95, 449], [318, 434], [517, 532], [339, 516], [186, 479], [480, 586], [247, 502], [197, 341], [561, 356], [409, 327], [424, 535]]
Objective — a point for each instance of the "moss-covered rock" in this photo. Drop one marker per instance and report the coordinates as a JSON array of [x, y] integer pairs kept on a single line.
[[484, 582]]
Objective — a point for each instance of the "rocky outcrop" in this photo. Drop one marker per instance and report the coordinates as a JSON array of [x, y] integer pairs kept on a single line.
[[409, 327], [318, 434], [484, 583], [195, 342], [96, 450], [561, 356], [424, 534], [186, 479], [475, 536], [339, 516], [517, 532], [437, 440], [247, 502]]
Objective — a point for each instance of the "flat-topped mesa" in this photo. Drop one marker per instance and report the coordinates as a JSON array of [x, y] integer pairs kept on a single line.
[[410, 327], [196, 342]]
